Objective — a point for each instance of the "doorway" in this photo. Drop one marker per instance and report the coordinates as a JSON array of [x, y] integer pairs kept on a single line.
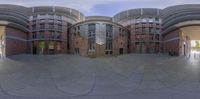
[[51, 48], [34, 50], [77, 51], [121, 50]]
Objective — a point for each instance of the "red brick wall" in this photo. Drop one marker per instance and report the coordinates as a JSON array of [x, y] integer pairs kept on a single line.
[[120, 42], [15, 46], [171, 41]]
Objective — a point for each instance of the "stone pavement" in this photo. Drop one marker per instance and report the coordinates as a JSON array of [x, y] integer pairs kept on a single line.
[[132, 76]]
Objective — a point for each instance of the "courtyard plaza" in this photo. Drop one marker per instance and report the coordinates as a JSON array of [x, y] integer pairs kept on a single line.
[[138, 76]]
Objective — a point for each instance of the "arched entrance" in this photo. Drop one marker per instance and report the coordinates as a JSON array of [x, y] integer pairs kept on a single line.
[[190, 40]]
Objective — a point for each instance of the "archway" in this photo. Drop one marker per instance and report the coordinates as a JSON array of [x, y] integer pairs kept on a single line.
[[190, 40]]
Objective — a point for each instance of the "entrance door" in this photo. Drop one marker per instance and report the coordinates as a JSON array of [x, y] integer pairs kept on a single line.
[[121, 51], [76, 50], [34, 50], [51, 48]]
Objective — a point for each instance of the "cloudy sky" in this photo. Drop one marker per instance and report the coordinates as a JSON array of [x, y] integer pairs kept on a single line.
[[101, 7]]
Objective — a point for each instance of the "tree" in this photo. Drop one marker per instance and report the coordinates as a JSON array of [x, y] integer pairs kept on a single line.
[[197, 46]]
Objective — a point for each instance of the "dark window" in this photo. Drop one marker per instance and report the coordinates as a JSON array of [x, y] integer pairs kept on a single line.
[[34, 22], [59, 27], [41, 34], [51, 16], [108, 30], [33, 27], [108, 44], [42, 20], [34, 35], [34, 16], [92, 44], [51, 26], [58, 35], [42, 26], [51, 20], [51, 34], [59, 21]]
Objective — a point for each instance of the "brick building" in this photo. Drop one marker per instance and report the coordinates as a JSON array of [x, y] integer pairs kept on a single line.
[[61, 30], [180, 25], [145, 29], [98, 36]]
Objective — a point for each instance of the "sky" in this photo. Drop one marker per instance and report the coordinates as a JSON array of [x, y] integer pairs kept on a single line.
[[101, 7]]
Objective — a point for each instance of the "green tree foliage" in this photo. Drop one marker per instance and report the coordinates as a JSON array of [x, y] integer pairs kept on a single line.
[[197, 46]]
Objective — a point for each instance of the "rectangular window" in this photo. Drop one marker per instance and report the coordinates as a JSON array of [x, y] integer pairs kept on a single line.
[[59, 21], [51, 20], [143, 30], [58, 35], [138, 20], [109, 31], [51, 26], [108, 44], [78, 28], [150, 20], [42, 20], [91, 34], [157, 20], [158, 31], [51, 34], [157, 36], [41, 34], [34, 22], [33, 27], [34, 35], [58, 17], [92, 44], [151, 30], [42, 26], [34, 16], [59, 27], [144, 20], [91, 27], [42, 16], [51, 16]]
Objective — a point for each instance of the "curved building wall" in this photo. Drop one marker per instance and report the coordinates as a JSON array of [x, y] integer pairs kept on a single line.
[[49, 28], [145, 26], [174, 19], [14, 16], [14, 28], [98, 18], [53, 29], [177, 14], [98, 38]]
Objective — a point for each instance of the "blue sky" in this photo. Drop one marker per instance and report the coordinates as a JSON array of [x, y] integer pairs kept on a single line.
[[101, 7]]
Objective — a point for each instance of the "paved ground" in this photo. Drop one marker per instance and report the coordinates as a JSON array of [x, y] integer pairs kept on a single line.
[[130, 76]]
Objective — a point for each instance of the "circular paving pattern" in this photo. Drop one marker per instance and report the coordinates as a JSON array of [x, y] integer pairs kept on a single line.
[[75, 77]]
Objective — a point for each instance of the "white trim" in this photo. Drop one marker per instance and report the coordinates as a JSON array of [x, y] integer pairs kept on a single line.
[[16, 38], [172, 39]]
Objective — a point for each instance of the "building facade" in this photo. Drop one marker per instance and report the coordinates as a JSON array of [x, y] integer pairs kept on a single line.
[[98, 36], [14, 29], [49, 29], [145, 29], [61, 30], [180, 25]]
